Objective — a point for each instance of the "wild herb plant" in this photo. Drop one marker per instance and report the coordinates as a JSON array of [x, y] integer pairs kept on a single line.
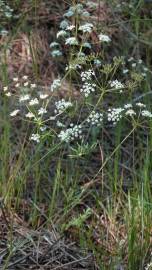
[[75, 119]]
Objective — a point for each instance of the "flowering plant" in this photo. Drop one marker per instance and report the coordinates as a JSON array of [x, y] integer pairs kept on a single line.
[[73, 119]]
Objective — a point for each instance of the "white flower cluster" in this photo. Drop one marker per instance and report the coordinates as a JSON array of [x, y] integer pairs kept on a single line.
[[74, 132], [71, 41], [87, 75], [116, 84], [141, 105], [43, 96], [104, 38], [35, 137], [73, 66], [24, 98], [14, 113], [56, 53], [56, 84], [125, 70], [87, 86], [86, 28], [42, 111], [61, 33], [62, 105], [33, 102], [30, 115], [114, 115], [70, 27], [128, 106], [54, 44], [146, 113], [60, 124], [130, 112], [86, 45], [95, 118], [64, 24]]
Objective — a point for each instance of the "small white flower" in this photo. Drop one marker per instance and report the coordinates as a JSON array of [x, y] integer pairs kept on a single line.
[[95, 118], [130, 112], [26, 84], [33, 102], [24, 98], [54, 44], [69, 13], [144, 74], [15, 79], [61, 33], [56, 84], [87, 75], [71, 41], [30, 115], [130, 59], [74, 132], [133, 64], [86, 28], [43, 96], [33, 85], [86, 45], [128, 106], [59, 124], [35, 137], [5, 88], [73, 66], [56, 53], [25, 77], [88, 86], [85, 13], [17, 85], [64, 24], [43, 128], [114, 115], [8, 94], [14, 113], [116, 84], [64, 136], [146, 113], [140, 61], [62, 105], [104, 38], [141, 105], [70, 27], [42, 111], [4, 32], [125, 71]]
